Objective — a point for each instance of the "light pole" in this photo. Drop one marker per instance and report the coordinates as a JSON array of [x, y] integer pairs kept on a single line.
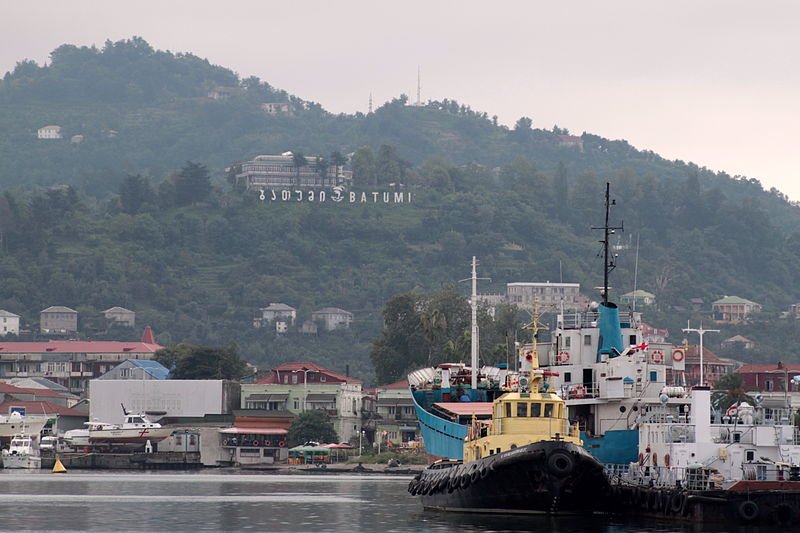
[[700, 331], [360, 436]]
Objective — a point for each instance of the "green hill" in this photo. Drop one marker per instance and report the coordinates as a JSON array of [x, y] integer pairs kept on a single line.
[[199, 270]]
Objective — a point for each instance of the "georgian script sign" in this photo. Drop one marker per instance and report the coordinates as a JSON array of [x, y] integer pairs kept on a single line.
[[336, 195]]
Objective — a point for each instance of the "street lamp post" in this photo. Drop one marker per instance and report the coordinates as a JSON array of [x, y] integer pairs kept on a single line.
[[701, 332], [360, 436]]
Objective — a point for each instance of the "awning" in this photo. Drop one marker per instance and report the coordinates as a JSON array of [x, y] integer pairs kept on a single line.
[[321, 398], [254, 431], [267, 397]]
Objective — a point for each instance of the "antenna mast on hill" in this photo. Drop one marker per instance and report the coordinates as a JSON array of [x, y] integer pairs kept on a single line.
[[419, 87], [370, 104]]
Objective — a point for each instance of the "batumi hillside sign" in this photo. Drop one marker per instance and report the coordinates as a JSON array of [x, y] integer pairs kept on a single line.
[[336, 195]]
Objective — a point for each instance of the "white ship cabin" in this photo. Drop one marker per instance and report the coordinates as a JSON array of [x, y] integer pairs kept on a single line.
[[745, 442]]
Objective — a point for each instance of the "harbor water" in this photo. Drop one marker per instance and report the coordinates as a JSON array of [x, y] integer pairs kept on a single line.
[[238, 501]]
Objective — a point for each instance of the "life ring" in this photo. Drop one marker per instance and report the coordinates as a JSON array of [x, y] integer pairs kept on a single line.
[[748, 510], [678, 355], [655, 459], [267, 443], [282, 444], [255, 442], [666, 460], [658, 357], [562, 358], [732, 411], [529, 355], [579, 391]]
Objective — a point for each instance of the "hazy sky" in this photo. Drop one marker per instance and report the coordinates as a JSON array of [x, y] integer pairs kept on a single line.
[[713, 82]]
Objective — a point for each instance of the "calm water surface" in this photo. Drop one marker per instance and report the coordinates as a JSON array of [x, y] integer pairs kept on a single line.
[[234, 501]]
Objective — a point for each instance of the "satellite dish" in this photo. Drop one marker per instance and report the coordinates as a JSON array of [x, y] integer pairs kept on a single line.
[[758, 398]]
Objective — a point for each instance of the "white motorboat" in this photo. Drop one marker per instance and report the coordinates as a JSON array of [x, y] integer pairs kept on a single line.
[[135, 432], [22, 453], [16, 423]]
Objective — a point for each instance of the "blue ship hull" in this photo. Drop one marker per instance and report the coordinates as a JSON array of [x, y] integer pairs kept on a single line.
[[617, 447]]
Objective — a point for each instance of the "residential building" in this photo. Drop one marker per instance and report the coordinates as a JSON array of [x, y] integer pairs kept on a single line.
[[397, 421], [275, 312], [697, 304], [222, 93], [714, 367], [278, 108], [654, 335], [523, 294], [733, 309], [776, 377], [162, 397], [280, 171], [140, 369], [58, 320], [49, 132], [332, 318], [297, 387], [76, 139], [637, 298], [71, 364], [308, 328], [9, 323], [121, 316], [738, 340], [570, 141]]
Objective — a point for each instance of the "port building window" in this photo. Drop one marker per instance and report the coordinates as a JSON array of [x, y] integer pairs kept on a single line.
[[522, 409], [536, 409]]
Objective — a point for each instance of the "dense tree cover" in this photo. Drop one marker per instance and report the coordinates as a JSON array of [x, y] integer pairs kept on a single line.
[[187, 361], [314, 426], [144, 214]]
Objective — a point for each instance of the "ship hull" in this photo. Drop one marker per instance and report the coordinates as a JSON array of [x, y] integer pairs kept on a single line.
[[128, 437], [548, 477]]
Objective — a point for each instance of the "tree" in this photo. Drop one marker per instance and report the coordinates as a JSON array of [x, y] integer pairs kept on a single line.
[[188, 361], [338, 160], [730, 391], [321, 167], [192, 184], [363, 163], [314, 426], [299, 161], [135, 193]]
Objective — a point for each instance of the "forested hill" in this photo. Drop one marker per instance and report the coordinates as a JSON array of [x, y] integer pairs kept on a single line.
[[197, 265]]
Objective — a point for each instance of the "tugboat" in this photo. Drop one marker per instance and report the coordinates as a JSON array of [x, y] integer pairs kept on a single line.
[[527, 458]]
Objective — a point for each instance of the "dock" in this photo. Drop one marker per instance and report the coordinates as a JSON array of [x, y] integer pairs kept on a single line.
[[126, 461]]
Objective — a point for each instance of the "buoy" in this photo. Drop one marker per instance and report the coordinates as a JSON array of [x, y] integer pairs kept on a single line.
[[58, 467]]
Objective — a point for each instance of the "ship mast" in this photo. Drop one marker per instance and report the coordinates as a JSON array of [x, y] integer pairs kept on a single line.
[[474, 335], [609, 262]]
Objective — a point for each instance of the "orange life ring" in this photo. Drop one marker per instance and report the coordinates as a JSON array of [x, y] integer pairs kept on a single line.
[[563, 357], [281, 444], [579, 391], [658, 357], [678, 355], [529, 356]]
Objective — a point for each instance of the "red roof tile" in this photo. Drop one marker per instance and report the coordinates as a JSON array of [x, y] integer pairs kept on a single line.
[[78, 347], [299, 366], [765, 368]]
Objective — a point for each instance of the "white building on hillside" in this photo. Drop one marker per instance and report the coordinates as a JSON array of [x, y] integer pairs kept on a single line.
[[49, 132], [9, 323]]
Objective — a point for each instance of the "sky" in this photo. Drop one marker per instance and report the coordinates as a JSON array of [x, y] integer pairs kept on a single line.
[[713, 82]]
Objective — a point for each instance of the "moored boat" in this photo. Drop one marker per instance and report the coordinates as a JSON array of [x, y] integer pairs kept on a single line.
[[135, 432], [527, 458], [22, 453]]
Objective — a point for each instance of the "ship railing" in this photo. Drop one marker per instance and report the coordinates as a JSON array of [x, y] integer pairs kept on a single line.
[[770, 472], [588, 319], [691, 478], [680, 433]]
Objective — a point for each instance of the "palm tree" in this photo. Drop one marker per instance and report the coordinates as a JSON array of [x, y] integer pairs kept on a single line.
[[299, 161], [434, 325], [337, 160], [321, 167], [730, 391]]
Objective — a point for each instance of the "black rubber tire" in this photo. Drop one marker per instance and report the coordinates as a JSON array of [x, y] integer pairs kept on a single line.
[[783, 514], [465, 481], [678, 501], [748, 510], [560, 463]]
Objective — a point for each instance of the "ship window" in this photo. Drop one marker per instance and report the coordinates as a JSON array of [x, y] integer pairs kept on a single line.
[[566, 342], [536, 409], [750, 455], [567, 377], [508, 409], [654, 376], [587, 340], [548, 410], [522, 409]]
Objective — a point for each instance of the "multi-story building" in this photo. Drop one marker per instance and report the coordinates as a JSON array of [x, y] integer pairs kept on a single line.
[[58, 320], [637, 298], [71, 364], [280, 171], [121, 316], [275, 312], [397, 421], [278, 108], [732, 309], [9, 323], [49, 132], [332, 318], [544, 293], [302, 386]]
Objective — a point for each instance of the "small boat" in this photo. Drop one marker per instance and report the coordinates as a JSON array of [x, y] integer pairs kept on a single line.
[[135, 432], [526, 458], [16, 423], [22, 453]]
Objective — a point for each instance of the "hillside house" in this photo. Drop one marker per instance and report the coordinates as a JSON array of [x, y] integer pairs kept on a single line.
[[332, 318], [570, 141], [58, 320], [121, 316], [49, 132], [278, 108], [9, 323], [274, 313], [739, 340], [637, 298], [733, 309], [776, 377]]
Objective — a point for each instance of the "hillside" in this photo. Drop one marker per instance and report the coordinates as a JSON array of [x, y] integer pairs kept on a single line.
[[199, 270]]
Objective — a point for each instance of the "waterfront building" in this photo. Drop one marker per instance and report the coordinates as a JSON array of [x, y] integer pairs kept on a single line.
[[397, 421], [71, 364], [297, 387]]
